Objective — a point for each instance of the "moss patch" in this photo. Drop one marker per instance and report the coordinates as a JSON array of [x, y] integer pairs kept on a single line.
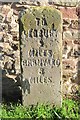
[[51, 15]]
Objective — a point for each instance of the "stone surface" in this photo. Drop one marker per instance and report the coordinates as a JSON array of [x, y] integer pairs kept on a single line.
[[10, 54], [46, 2], [55, 2], [41, 39], [9, 33]]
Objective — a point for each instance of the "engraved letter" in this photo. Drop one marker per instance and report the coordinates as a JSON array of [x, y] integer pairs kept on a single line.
[[44, 22], [37, 21], [30, 33]]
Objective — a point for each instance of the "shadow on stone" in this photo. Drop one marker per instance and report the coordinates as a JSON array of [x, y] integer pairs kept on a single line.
[[11, 91]]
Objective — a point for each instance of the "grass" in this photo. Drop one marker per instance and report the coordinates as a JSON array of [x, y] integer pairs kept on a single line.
[[70, 110]]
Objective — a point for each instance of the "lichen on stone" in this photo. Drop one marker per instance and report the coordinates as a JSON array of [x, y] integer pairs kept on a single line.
[[51, 15]]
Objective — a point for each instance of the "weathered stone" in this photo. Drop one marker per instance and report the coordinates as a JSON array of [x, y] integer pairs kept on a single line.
[[1, 38], [67, 35], [5, 9], [41, 55], [56, 2], [75, 24], [14, 46], [76, 34], [9, 33], [70, 64], [10, 15], [77, 42], [69, 13], [66, 22], [1, 18], [41, 2]]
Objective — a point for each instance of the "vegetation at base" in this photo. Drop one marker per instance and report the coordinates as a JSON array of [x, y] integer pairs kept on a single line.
[[70, 109]]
